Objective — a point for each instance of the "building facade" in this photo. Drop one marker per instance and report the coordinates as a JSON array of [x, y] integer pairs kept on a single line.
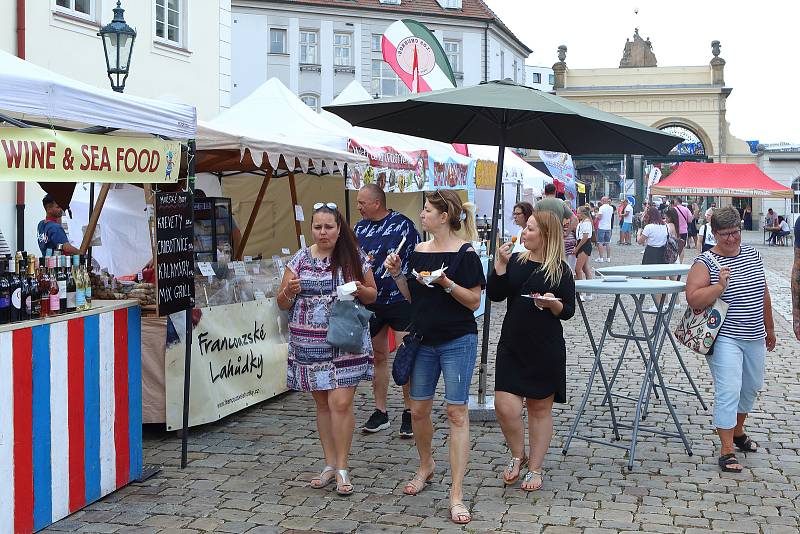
[[541, 78], [182, 53], [317, 47]]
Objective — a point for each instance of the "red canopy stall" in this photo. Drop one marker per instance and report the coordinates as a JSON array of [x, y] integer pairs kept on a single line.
[[721, 180]]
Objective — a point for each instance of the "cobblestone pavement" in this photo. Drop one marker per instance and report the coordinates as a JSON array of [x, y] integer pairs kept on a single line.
[[249, 472]]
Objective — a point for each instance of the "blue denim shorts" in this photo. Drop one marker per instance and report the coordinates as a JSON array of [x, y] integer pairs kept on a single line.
[[603, 236], [454, 359]]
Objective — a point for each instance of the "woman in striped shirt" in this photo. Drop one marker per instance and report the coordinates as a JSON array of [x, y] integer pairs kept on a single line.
[[734, 273]]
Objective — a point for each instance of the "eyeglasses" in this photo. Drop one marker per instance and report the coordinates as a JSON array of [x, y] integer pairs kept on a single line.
[[329, 205], [728, 235]]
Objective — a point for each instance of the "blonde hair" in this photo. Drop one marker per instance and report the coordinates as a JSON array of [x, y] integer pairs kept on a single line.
[[448, 201], [553, 243]]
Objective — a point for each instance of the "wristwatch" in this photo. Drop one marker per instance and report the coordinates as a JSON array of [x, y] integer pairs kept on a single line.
[[449, 289]]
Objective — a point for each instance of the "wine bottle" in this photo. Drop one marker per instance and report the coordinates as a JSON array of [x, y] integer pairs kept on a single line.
[[17, 301], [5, 294], [43, 280], [55, 294], [33, 305], [88, 286], [80, 285], [61, 277]]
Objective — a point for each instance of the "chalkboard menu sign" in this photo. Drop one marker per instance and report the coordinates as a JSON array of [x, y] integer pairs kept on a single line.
[[174, 252]]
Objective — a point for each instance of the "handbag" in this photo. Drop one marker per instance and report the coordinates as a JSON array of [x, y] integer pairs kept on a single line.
[[346, 325], [698, 329], [671, 250], [407, 351], [404, 358]]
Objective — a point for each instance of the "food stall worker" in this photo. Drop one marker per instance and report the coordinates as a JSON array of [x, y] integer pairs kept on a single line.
[[51, 234]]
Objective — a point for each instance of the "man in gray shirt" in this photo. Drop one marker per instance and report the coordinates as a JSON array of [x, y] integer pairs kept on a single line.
[[553, 204]]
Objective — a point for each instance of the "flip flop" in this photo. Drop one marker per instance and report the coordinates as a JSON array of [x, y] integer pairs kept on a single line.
[[416, 489], [512, 463], [460, 518], [531, 475], [726, 460], [745, 444], [320, 481]]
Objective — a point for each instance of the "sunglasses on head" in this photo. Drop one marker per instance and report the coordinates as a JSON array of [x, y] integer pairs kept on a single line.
[[329, 205]]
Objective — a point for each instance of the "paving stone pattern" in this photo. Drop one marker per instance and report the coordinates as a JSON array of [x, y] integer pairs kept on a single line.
[[249, 472]]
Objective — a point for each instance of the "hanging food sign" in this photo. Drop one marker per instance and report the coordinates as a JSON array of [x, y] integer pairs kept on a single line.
[[45, 155], [397, 171]]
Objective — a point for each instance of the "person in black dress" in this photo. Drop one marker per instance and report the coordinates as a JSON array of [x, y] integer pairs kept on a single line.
[[531, 364]]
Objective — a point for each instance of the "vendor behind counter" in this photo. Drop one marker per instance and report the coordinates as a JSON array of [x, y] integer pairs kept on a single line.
[[50, 233]]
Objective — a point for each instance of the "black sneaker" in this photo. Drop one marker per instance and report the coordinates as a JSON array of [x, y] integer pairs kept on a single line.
[[377, 421], [405, 426]]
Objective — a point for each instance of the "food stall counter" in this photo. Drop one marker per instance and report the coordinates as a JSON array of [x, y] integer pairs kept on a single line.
[[70, 412]]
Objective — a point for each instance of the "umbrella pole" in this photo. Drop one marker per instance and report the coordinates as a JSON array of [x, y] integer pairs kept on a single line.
[[481, 408]]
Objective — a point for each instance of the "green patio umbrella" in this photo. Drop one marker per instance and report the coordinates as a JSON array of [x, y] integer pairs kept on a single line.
[[506, 114]]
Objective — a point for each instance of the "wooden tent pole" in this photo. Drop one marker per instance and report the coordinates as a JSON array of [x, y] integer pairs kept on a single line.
[[253, 214], [98, 207], [293, 190]]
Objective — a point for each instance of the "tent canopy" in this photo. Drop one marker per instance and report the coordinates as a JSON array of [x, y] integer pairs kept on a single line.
[[31, 92], [272, 124], [721, 180]]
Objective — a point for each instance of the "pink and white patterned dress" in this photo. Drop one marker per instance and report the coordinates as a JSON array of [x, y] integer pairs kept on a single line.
[[315, 365]]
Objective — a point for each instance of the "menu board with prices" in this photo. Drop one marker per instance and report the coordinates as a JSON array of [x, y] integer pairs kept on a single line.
[[174, 252]]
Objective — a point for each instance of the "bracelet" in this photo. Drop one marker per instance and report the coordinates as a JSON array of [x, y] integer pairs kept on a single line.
[[287, 297], [399, 276]]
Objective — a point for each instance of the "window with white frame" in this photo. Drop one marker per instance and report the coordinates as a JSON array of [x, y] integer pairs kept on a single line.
[[450, 4], [309, 47], [384, 80], [170, 16], [551, 79], [452, 50], [277, 41], [376, 42], [84, 9], [310, 100], [342, 49], [536, 77]]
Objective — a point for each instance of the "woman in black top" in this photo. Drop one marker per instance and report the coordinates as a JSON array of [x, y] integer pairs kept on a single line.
[[531, 362], [443, 316]]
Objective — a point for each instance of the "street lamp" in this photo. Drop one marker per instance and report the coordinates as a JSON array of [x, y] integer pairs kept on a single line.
[[118, 40]]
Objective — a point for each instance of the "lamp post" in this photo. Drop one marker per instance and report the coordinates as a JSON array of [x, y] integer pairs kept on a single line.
[[118, 40]]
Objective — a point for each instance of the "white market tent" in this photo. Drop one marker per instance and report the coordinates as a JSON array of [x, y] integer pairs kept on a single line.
[[273, 123], [355, 92], [30, 92]]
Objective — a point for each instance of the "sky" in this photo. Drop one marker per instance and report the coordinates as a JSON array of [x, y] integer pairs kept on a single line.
[[759, 44]]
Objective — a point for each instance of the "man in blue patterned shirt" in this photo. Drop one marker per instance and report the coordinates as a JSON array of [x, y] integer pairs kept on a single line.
[[380, 232]]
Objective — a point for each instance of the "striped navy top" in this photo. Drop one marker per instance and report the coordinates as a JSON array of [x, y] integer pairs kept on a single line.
[[744, 294]]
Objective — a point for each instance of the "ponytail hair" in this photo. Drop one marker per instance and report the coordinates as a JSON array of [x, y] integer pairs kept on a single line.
[[460, 215]]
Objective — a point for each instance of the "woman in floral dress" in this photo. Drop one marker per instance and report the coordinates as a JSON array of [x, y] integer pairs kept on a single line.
[[308, 290]]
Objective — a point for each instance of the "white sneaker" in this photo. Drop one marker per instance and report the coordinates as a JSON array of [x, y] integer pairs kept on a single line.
[[598, 260], [608, 260], [678, 306], [586, 298], [652, 309]]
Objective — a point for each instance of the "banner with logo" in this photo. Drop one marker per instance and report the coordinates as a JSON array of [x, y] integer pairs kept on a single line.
[[45, 155], [239, 355], [397, 171], [562, 169], [417, 57]]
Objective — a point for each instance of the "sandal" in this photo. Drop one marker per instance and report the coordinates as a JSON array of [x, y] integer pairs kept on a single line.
[[321, 480], [345, 487], [531, 476], [726, 461], [745, 444], [514, 463], [417, 484], [460, 518]]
